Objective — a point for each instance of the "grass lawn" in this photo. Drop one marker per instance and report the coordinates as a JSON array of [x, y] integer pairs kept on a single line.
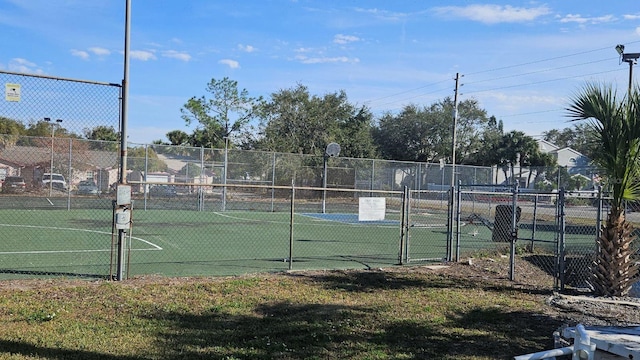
[[396, 313]]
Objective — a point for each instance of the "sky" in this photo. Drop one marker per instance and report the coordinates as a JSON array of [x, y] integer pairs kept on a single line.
[[521, 60]]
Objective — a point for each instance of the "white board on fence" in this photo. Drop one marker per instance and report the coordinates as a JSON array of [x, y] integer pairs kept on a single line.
[[371, 208]]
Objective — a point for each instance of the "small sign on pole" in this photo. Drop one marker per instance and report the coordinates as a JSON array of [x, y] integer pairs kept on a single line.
[[12, 92]]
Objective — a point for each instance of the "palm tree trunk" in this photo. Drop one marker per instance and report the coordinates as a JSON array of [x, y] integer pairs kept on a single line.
[[614, 269]]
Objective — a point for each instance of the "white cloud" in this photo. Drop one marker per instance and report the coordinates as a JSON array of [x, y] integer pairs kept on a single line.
[[579, 19], [493, 14], [230, 63], [383, 14], [100, 51], [23, 66], [638, 30], [176, 55], [631, 17], [246, 48], [323, 60], [142, 55], [80, 53], [345, 39]]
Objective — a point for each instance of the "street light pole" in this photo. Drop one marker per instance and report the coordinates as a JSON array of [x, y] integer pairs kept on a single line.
[[631, 58], [53, 130]]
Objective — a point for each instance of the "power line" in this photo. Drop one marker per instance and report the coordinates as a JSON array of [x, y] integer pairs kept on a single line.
[[541, 82], [506, 77], [539, 71]]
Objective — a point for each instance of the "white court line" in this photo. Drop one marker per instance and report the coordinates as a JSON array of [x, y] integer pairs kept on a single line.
[[155, 247]]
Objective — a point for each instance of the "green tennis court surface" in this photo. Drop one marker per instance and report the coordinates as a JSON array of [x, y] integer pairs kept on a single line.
[[79, 243]]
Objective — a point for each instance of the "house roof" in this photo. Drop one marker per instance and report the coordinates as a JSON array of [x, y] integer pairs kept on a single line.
[[546, 146], [24, 156]]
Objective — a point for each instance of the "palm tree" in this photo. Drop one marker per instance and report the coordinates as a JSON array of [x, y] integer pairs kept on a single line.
[[616, 124]]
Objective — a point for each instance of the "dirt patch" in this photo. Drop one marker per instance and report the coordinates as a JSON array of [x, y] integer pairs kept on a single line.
[[573, 308]]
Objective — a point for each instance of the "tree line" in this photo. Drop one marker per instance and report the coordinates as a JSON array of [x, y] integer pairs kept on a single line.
[[295, 121]]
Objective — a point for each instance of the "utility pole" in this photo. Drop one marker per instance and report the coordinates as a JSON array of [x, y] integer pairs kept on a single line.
[[453, 131], [453, 171]]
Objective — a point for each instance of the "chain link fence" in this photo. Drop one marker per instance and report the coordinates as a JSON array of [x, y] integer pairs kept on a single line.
[[270, 212], [227, 211]]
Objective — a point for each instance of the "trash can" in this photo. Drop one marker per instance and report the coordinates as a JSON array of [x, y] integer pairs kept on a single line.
[[502, 226]]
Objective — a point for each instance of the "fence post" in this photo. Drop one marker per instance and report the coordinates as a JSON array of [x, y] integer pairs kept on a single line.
[[293, 198], [450, 211], [457, 219], [599, 213], [514, 232], [70, 176], [561, 240], [535, 221], [403, 254], [145, 186], [273, 181]]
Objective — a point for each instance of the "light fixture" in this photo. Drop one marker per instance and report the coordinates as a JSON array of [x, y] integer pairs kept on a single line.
[[630, 58]]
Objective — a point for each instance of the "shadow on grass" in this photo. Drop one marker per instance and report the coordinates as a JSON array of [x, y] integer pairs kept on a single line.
[[303, 331], [30, 350], [371, 281]]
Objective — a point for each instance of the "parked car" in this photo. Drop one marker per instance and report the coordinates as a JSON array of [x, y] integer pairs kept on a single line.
[[54, 180], [87, 187], [14, 184]]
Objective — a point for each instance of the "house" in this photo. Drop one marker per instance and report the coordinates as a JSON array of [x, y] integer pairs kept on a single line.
[[76, 164], [574, 161]]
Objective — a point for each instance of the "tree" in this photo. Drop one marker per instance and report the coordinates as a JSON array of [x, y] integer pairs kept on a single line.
[[10, 130], [424, 133], [487, 154], [191, 170], [616, 125], [580, 137], [294, 121], [516, 148], [222, 116], [104, 133], [105, 138], [178, 137], [136, 160]]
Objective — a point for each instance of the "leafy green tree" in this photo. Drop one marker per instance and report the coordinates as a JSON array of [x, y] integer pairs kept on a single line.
[[487, 154], [294, 121], [424, 133], [178, 137], [579, 137], [191, 170], [355, 135], [616, 125], [104, 133], [136, 160], [225, 114], [105, 138], [10, 130]]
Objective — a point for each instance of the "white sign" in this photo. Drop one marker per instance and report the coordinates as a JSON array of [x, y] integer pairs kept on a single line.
[[12, 92], [372, 208]]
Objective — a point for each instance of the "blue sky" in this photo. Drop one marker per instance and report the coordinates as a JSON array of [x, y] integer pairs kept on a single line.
[[521, 60]]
